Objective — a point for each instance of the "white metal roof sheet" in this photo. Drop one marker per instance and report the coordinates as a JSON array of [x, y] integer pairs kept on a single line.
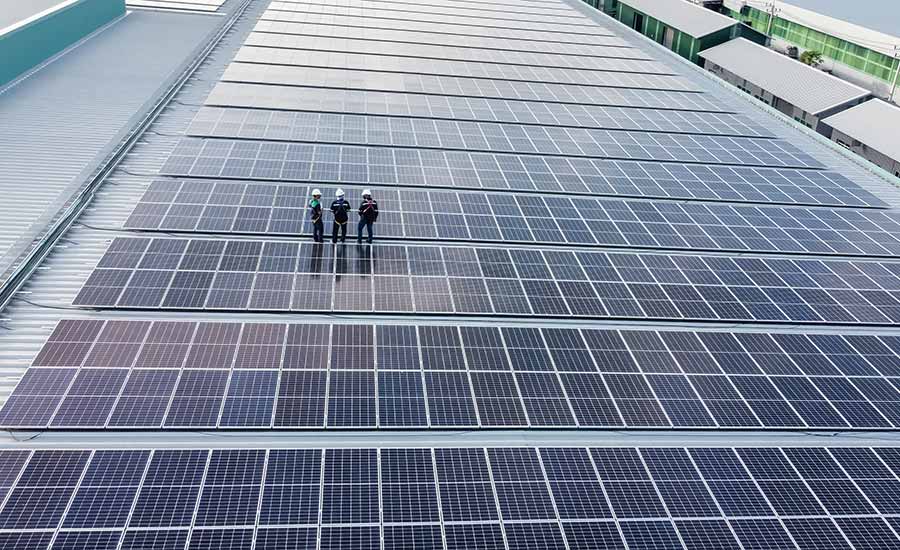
[[873, 123], [810, 89], [692, 19]]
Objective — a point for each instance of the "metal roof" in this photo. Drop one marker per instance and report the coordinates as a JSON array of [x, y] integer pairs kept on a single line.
[[45, 152], [873, 123], [694, 20], [809, 89]]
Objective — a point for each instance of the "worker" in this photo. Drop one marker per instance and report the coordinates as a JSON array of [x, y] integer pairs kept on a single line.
[[368, 213], [315, 214], [341, 211]]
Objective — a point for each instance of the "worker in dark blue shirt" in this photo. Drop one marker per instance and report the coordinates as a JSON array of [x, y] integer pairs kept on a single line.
[[315, 215], [340, 208], [368, 213]]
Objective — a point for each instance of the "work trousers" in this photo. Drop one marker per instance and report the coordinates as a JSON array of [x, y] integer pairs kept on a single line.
[[359, 228], [342, 227], [318, 230]]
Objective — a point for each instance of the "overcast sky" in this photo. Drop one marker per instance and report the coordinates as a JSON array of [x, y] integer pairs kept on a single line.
[[881, 15]]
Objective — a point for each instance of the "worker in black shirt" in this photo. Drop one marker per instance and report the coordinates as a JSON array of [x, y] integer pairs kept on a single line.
[[315, 215], [341, 210], [368, 213]]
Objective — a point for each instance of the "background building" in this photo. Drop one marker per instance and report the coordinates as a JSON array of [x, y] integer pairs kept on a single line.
[[853, 52], [801, 92], [680, 26], [870, 131]]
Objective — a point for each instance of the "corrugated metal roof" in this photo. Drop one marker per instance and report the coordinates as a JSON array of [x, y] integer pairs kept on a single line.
[[875, 123], [46, 154], [809, 89], [694, 20]]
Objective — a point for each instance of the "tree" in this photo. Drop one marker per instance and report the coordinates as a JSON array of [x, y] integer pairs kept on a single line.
[[811, 58]]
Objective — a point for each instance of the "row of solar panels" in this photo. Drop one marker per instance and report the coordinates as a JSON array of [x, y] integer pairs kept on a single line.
[[304, 162], [282, 275], [269, 209], [611, 46], [382, 81], [488, 137], [283, 44], [471, 14], [477, 32], [452, 498], [375, 61], [251, 121], [116, 399], [557, 14], [138, 374]]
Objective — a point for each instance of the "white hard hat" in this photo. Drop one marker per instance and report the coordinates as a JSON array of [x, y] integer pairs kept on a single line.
[[316, 193], [339, 193], [366, 192]]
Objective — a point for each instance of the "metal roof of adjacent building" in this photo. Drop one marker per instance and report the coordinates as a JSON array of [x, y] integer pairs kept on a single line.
[[873, 123], [694, 20], [810, 89]]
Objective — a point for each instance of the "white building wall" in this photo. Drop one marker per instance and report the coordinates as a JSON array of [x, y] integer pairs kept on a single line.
[[863, 150]]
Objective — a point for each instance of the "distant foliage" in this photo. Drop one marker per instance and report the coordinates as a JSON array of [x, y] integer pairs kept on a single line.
[[811, 58]]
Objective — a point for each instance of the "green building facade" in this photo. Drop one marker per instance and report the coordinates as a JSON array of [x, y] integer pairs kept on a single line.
[[685, 43], [680, 42], [861, 58]]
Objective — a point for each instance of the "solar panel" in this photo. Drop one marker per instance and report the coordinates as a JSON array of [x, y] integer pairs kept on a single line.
[[272, 109], [408, 167], [138, 273], [470, 497], [309, 376], [448, 15], [462, 52], [378, 20], [424, 135], [600, 47], [254, 208]]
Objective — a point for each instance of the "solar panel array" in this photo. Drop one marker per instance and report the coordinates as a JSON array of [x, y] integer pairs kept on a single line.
[[270, 209], [259, 123], [164, 374], [552, 498], [562, 142], [412, 167], [525, 143], [211, 274]]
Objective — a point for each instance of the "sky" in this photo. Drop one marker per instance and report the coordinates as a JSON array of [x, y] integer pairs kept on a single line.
[[880, 15]]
